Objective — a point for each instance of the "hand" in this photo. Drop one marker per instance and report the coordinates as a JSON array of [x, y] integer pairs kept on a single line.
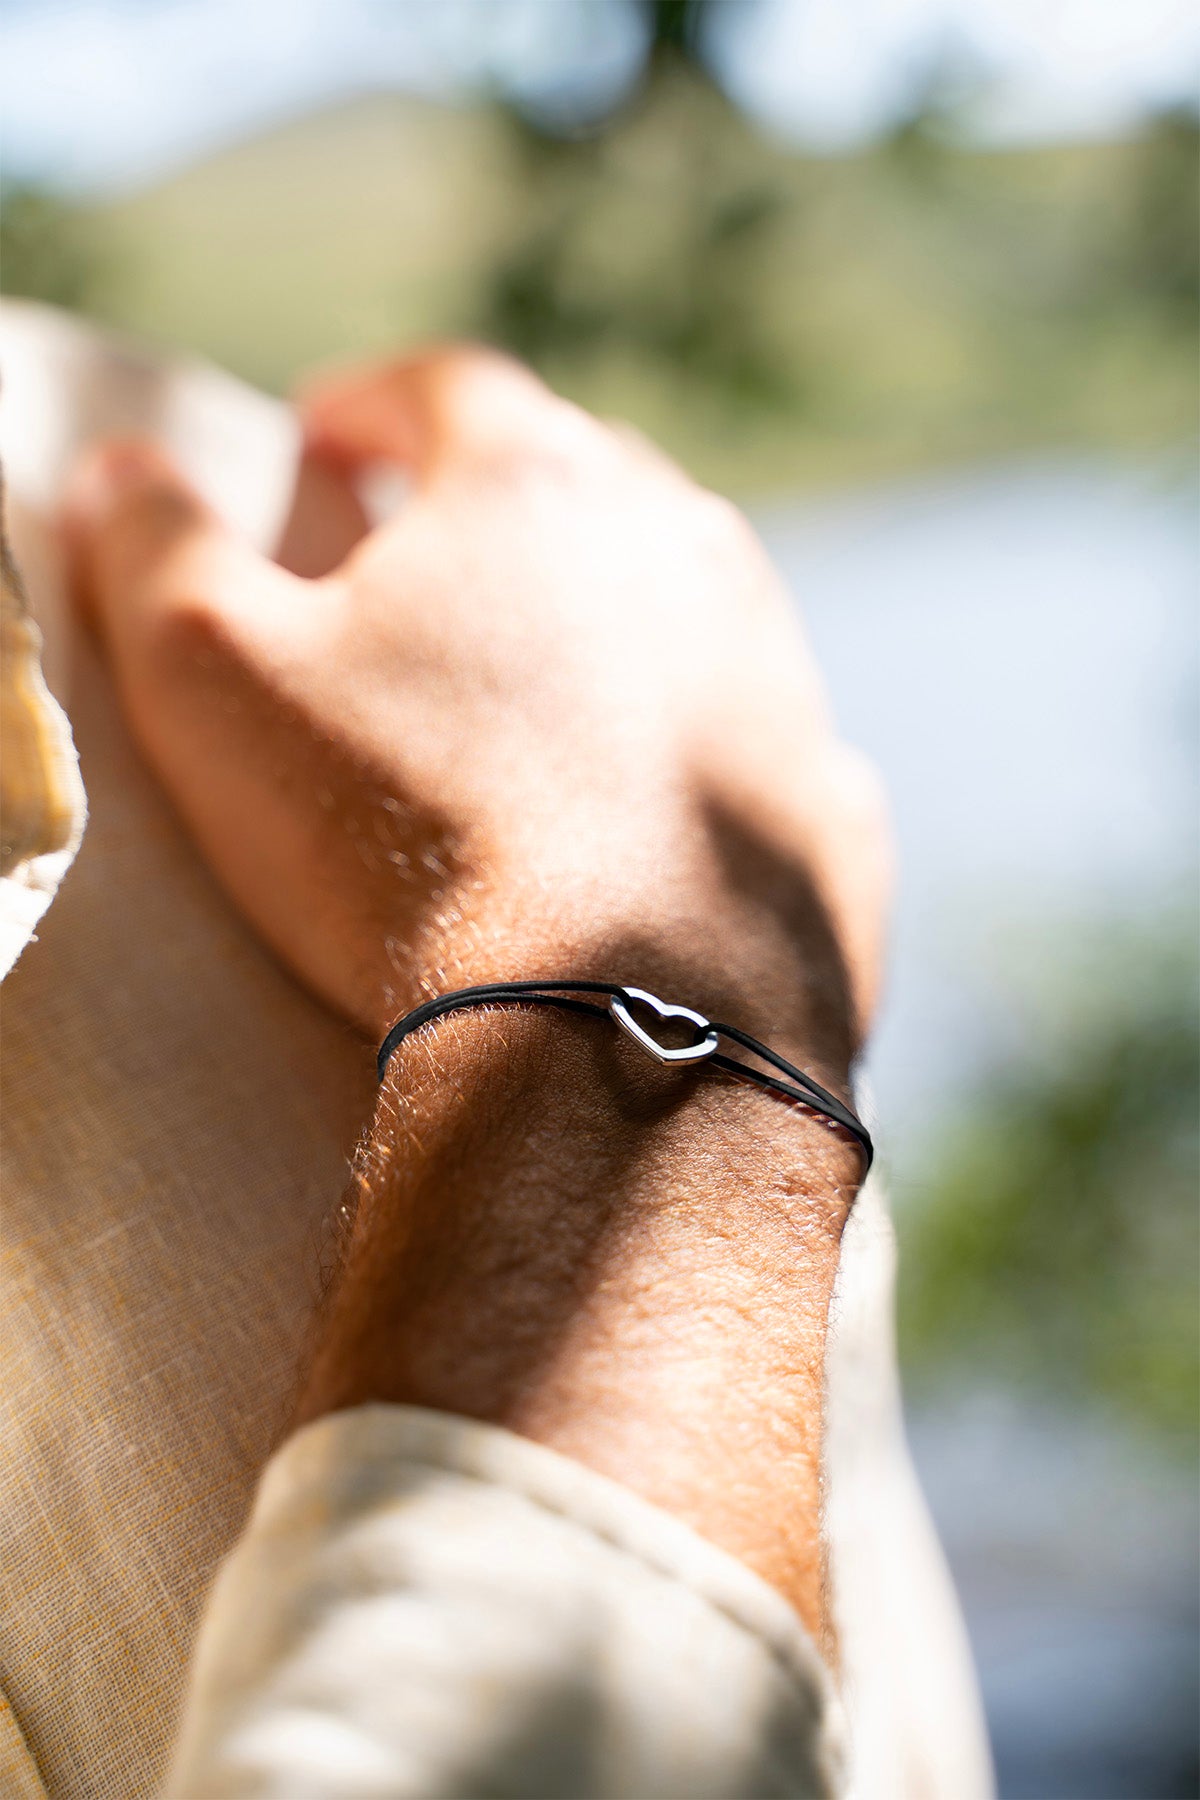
[[560, 705], [556, 720]]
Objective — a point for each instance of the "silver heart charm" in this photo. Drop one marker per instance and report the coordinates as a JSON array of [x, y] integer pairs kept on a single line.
[[687, 1053]]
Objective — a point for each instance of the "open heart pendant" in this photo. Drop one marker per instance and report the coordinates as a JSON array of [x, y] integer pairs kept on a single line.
[[686, 1053]]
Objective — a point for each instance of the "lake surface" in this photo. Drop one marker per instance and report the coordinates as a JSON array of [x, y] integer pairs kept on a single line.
[[1017, 648]]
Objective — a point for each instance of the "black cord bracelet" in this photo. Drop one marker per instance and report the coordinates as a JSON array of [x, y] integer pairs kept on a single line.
[[798, 1085]]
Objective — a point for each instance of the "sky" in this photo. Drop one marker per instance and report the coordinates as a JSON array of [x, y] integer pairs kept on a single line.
[[104, 95]]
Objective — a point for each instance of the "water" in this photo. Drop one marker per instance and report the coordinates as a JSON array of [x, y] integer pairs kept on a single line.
[[1017, 648]]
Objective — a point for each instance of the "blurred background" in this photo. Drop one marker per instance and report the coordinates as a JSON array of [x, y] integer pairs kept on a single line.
[[916, 280]]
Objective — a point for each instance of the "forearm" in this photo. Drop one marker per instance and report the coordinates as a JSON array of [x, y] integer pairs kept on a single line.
[[630, 1265]]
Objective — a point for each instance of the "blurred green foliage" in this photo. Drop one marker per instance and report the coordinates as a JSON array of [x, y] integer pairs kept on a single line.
[[1161, 230], [48, 249], [622, 250], [1059, 1239], [774, 318]]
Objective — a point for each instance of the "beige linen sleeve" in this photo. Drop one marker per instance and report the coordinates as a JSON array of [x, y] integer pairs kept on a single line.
[[423, 1605]]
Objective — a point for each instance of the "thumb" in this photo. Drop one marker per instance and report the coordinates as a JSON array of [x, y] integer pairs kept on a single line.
[[144, 549]]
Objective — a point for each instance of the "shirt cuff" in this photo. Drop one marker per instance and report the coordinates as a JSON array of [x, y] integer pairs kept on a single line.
[[425, 1605]]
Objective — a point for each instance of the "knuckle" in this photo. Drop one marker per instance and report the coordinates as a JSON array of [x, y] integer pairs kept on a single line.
[[552, 459], [467, 360], [145, 524], [189, 632], [725, 526], [472, 379], [733, 549], [557, 449]]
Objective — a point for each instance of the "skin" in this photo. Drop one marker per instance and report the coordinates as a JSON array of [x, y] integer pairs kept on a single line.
[[557, 719]]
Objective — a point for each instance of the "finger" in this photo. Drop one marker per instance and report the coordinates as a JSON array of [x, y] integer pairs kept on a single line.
[[143, 546], [457, 402], [327, 518]]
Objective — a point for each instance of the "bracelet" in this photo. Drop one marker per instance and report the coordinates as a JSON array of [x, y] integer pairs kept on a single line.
[[704, 1048]]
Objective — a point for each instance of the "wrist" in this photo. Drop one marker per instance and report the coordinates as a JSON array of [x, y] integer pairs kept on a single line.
[[628, 1263], [773, 970]]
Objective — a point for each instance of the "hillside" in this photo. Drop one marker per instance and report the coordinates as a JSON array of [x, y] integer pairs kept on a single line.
[[774, 318]]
